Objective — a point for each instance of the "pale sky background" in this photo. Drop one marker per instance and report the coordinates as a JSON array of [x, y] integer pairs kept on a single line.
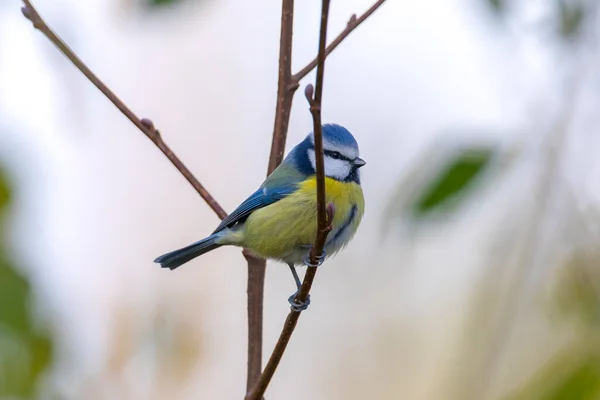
[[97, 202]]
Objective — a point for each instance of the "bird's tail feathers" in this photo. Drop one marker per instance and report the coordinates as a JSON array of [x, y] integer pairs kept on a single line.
[[176, 258]]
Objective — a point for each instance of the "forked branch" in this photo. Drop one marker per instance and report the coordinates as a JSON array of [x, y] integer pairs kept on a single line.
[[352, 24]]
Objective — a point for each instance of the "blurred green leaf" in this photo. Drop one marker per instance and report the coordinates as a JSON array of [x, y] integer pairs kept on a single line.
[[497, 6], [14, 291], [578, 291], [153, 3], [13, 288], [571, 16], [25, 353], [4, 192], [583, 383], [574, 374], [453, 182], [41, 353]]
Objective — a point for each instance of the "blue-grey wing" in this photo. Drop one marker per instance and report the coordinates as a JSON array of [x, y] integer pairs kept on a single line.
[[280, 183], [259, 199]]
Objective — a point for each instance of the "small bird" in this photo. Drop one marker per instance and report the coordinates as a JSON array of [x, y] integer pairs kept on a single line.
[[279, 220]]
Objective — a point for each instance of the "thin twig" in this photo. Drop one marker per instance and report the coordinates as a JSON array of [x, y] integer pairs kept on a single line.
[[288, 83], [145, 125], [352, 24], [324, 214]]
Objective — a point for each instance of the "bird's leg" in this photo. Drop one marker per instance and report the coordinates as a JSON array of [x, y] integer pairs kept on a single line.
[[296, 278], [296, 305], [319, 259]]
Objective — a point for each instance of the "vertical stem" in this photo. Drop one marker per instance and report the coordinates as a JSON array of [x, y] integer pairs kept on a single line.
[[315, 108], [285, 86], [256, 279]]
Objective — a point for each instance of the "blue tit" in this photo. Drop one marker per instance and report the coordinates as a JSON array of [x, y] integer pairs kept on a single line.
[[279, 220]]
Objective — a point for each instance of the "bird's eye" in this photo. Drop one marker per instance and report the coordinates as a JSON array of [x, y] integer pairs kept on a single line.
[[335, 154]]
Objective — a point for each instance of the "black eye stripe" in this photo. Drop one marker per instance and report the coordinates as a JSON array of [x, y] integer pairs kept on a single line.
[[335, 155]]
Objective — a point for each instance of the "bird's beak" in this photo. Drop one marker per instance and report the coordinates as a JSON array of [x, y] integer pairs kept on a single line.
[[359, 162]]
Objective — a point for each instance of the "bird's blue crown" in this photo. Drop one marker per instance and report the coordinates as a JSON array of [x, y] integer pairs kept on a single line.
[[335, 134]]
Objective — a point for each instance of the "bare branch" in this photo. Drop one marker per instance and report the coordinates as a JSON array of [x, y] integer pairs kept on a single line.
[[352, 24], [145, 125], [255, 292], [324, 215], [286, 87]]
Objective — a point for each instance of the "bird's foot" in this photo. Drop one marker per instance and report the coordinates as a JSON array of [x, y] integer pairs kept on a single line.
[[296, 305], [319, 260]]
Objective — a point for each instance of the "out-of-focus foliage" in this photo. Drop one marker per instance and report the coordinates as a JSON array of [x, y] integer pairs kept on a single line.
[[571, 15], [441, 181], [4, 194], [175, 345], [573, 374], [497, 6], [25, 352], [178, 345], [453, 181], [159, 3], [578, 292]]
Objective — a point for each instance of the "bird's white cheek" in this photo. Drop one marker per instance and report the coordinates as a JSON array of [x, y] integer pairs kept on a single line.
[[311, 157], [334, 168], [338, 169]]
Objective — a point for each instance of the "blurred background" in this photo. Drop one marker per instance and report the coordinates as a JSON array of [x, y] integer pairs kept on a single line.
[[475, 273]]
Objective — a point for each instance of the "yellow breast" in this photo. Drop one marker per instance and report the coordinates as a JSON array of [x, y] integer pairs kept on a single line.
[[280, 229]]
